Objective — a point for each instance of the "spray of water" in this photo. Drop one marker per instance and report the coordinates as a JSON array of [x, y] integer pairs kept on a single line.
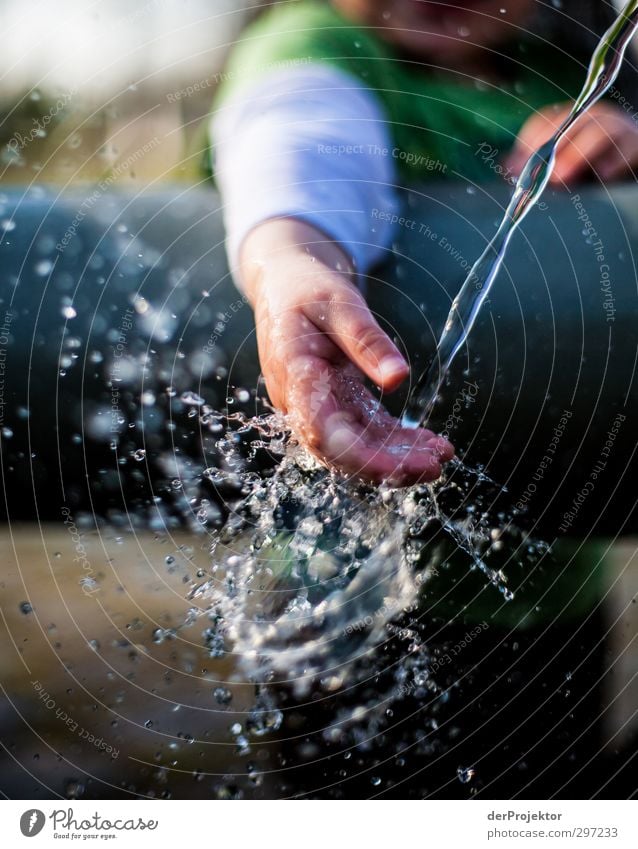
[[309, 571], [603, 70]]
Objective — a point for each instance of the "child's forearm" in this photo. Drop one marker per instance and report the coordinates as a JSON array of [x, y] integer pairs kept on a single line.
[[276, 242]]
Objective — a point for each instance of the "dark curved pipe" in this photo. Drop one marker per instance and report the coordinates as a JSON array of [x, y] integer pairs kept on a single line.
[[543, 397]]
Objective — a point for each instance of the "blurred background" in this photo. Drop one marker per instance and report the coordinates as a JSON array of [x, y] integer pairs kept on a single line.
[[86, 85]]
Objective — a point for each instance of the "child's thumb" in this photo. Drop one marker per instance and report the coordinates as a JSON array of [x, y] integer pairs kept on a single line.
[[350, 325]]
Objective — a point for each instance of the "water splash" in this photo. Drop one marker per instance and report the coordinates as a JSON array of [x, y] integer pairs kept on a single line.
[[309, 571], [603, 70]]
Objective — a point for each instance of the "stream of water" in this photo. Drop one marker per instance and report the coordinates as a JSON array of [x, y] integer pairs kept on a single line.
[[603, 70]]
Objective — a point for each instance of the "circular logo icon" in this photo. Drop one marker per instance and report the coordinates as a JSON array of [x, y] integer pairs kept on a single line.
[[32, 822]]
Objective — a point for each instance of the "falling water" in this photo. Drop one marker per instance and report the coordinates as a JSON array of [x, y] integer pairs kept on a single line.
[[603, 70], [309, 570]]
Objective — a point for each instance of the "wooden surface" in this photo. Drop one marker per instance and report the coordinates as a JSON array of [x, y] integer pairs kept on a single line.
[[90, 651]]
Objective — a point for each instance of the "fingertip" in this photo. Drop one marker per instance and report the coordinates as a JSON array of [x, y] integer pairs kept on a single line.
[[561, 177], [421, 465], [436, 442], [392, 370], [442, 448], [339, 441]]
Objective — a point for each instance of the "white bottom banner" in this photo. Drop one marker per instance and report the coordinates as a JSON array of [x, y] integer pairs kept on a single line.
[[369, 824]]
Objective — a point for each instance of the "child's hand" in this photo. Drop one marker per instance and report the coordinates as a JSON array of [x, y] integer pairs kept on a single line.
[[317, 338], [603, 142]]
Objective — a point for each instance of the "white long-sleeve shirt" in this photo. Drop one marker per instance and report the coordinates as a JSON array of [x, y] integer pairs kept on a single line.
[[313, 143]]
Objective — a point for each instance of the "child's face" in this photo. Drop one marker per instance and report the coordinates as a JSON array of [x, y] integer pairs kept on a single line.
[[446, 30]]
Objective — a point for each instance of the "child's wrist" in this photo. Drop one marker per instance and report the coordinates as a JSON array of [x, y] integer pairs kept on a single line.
[[272, 249]]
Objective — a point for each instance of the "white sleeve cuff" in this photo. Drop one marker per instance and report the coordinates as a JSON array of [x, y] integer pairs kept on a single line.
[[311, 143]]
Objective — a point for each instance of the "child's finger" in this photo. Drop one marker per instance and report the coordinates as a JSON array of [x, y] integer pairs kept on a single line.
[[600, 142], [570, 159], [579, 153], [533, 133], [348, 447], [439, 445], [609, 153], [336, 418], [350, 325], [284, 345]]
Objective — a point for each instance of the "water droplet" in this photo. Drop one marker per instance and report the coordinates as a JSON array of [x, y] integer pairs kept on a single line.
[[191, 398], [223, 696], [73, 789], [465, 774]]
